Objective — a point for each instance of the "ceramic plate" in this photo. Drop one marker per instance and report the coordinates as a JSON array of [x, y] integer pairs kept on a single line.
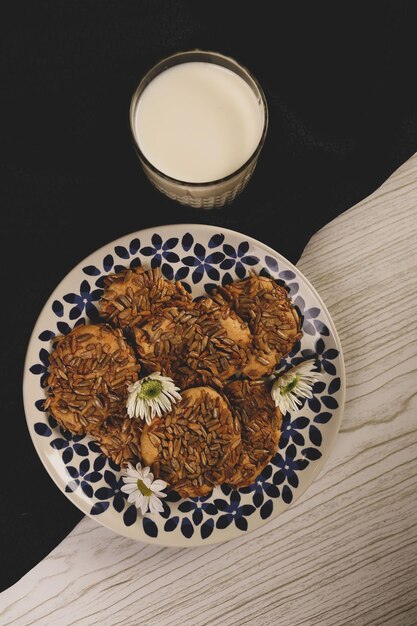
[[199, 256]]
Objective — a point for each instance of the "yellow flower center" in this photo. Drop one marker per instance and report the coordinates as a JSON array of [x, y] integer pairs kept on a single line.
[[145, 491], [150, 389], [291, 385]]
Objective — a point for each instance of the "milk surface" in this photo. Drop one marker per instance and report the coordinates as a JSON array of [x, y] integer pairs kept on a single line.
[[198, 122]]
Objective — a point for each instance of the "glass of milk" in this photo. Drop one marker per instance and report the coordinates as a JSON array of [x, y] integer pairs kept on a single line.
[[199, 121]]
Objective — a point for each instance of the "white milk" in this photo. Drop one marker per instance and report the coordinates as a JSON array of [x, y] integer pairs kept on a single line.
[[198, 122]]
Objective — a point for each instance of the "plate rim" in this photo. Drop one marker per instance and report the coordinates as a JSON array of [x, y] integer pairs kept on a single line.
[[183, 543]]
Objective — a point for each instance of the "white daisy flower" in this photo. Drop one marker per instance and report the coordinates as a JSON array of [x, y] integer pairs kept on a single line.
[[144, 492], [289, 388], [150, 396]]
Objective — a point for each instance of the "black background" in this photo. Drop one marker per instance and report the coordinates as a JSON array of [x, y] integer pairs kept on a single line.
[[339, 81]]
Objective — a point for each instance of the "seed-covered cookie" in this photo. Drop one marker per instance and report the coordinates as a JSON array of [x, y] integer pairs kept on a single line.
[[164, 341], [272, 319], [90, 371], [260, 423], [196, 446], [133, 295], [205, 343], [119, 438]]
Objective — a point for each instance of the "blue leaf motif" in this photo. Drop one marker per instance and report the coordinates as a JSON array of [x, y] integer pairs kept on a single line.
[[67, 455], [156, 241], [46, 335], [313, 312], [187, 528], [134, 246], [314, 404], [329, 402], [315, 435], [330, 354], [171, 257], [182, 273], [207, 528], [99, 507], [242, 248], [213, 274], [173, 496], [334, 385], [91, 270], [42, 429], [287, 275], [150, 528], [58, 444], [87, 489], [94, 447], [311, 454], [271, 263], [93, 477], [223, 521], [187, 242], [170, 243], [215, 257], [266, 509], [227, 279], [250, 260], [286, 494], [81, 449], [186, 506], [57, 308], [121, 252], [322, 418], [130, 515], [227, 264], [329, 367], [199, 251], [241, 523], [71, 486], [135, 263], [321, 328], [230, 251], [108, 262], [40, 405], [99, 462], [171, 524], [167, 271], [216, 240]]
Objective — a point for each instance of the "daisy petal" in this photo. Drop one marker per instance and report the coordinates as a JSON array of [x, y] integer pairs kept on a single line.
[[158, 485]]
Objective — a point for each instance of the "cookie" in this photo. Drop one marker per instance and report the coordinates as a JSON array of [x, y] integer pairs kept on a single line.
[[90, 370], [133, 295], [119, 438], [273, 321], [206, 343], [164, 341], [260, 423], [196, 446]]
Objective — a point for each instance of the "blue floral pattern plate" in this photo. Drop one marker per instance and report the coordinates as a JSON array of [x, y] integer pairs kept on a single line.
[[201, 257]]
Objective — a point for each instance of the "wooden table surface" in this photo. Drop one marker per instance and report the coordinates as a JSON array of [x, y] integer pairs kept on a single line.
[[346, 552]]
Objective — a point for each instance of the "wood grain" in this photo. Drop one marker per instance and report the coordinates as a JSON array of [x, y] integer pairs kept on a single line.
[[346, 553]]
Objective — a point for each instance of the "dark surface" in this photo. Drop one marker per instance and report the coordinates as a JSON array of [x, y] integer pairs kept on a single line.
[[343, 116]]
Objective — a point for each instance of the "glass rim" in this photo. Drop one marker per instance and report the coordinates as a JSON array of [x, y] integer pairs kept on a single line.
[[163, 65]]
